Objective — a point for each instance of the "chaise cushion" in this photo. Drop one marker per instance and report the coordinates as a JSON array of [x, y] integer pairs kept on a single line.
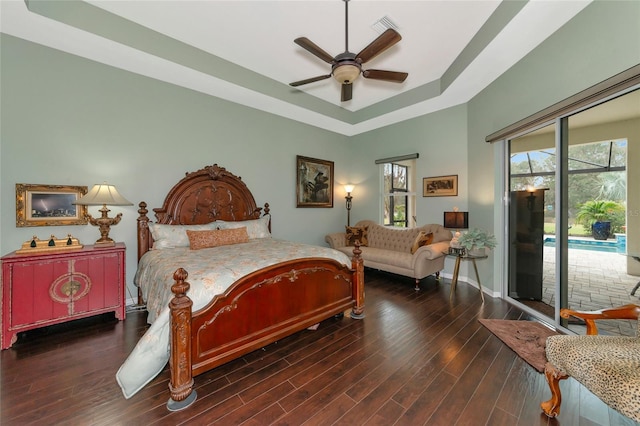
[[383, 256], [357, 233], [423, 239], [609, 366], [390, 238]]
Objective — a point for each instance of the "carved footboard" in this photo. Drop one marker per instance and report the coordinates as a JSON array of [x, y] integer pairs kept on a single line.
[[257, 310]]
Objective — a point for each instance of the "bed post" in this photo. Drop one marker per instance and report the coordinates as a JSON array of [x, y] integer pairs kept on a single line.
[[357, 264], [266, 212], [181, 383], [143, 238], [143, 229]]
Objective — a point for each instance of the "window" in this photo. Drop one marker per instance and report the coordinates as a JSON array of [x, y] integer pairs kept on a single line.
[[398, 199]]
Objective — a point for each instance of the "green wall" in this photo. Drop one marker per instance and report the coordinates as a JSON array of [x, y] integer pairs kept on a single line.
[[599, 42], [70, 121], [440, 140]]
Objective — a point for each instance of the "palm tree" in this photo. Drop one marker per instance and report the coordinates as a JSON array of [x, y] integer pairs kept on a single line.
[[613, 186], [598, 214]]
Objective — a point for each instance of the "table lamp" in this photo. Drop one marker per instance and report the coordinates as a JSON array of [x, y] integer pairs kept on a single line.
[[101, 195], [456, 219]]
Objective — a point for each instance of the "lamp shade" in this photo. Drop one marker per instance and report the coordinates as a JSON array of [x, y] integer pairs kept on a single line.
[[456, 220], [103, 194], [348, 188]]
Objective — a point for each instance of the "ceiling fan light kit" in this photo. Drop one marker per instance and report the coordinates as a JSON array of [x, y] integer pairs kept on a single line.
[[346, 67]]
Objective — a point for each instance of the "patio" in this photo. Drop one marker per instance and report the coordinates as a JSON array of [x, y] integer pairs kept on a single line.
[[597, 280]]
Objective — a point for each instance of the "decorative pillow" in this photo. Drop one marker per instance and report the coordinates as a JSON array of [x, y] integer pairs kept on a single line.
[[357, 233], [422, 239], [216, 237], [170, 236], [256, 228]]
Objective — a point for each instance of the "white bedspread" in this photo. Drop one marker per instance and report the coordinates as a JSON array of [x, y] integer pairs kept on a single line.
[[155, 277]]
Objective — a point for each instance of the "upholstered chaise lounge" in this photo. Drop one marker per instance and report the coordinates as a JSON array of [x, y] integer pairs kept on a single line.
[[412, 252], [609, 366]]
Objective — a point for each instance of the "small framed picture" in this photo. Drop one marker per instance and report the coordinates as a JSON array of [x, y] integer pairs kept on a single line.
[[314, 184], [46, 205], [440, 186]]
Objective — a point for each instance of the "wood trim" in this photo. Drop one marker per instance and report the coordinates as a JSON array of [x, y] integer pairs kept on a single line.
[[602, 90]]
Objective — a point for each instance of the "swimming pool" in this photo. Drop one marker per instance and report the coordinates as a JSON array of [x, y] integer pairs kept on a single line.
[[609, 246]]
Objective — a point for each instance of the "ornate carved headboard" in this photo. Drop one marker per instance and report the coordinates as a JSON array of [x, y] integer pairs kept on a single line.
[[201, 197]]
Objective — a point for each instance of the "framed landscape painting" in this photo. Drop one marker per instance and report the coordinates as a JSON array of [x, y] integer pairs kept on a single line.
[[314, 184], [46, 205]]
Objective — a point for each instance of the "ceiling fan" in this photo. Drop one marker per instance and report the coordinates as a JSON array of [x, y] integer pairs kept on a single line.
[[347, 66]]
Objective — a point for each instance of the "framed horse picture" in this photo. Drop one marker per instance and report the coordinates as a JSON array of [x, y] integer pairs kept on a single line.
[[314, 182]]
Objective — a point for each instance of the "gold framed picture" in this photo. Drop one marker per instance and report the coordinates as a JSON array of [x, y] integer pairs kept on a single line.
[[47, 205], [440, 186], [314, 184]]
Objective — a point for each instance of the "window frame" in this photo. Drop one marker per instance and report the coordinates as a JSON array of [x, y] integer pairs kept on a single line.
[[407, 193]]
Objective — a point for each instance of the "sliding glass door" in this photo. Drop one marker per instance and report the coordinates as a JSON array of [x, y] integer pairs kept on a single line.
[[532, 165], [571, 211]]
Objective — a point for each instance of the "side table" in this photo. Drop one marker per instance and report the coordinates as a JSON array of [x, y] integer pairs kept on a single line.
[[456, 271]]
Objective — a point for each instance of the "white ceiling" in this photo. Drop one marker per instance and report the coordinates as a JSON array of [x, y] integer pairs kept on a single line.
[[243, 51]]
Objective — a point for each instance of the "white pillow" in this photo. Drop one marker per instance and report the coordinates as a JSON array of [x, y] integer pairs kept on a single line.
[[256, 228], [170, 236]]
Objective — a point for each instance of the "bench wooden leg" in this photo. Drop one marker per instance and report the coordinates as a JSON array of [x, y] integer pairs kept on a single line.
[[552, 407]]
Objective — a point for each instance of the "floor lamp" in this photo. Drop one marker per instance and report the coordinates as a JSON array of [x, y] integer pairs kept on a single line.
[[348, 189]]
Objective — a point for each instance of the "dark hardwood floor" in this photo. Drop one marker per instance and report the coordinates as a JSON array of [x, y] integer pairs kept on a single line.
[[415, 359]]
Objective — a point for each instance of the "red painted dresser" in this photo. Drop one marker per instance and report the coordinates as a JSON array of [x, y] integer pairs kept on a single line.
[[44, 289]]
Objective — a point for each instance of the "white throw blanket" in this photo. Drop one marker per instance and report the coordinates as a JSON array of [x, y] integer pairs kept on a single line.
[[211, 271]]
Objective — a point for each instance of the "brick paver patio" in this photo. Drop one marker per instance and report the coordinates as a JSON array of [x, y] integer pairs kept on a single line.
[[596, 280]]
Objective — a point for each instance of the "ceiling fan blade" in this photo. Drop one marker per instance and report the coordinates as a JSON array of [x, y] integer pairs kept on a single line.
[[310, 46], [394, 76], [379, 45], [346, 92], [309, 80]]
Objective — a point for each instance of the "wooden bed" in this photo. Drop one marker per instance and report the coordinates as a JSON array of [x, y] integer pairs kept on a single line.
[[248, 316]]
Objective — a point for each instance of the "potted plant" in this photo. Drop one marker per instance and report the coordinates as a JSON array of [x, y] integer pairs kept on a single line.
[[477, 241], [598, 214]]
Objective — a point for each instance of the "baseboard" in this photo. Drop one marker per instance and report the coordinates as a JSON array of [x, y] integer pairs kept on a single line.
[[472, 283]]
